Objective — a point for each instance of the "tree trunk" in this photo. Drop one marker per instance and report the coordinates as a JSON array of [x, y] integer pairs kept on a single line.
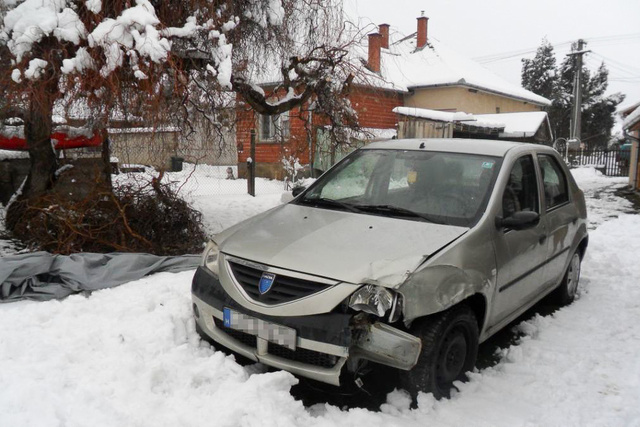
[[37, 128]]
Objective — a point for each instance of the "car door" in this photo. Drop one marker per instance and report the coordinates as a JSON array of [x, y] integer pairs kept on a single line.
[[560, 216], [520, 254]]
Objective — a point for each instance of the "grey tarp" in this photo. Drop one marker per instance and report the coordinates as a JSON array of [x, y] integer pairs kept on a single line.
[[44, 276]]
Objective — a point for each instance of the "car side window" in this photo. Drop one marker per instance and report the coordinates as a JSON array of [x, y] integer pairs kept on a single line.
[[521, 192], [554, 181]]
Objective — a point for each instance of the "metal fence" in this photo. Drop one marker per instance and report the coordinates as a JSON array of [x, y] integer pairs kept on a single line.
[[609, 161]]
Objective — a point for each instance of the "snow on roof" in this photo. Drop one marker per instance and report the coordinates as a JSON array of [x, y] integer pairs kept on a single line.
[[402, 68], [10, 154], [514, 125], [437, 65], [517, 125], [445, 116], [631, 119]]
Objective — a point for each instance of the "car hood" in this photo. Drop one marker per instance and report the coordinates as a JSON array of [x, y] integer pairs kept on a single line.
[[344, 246]]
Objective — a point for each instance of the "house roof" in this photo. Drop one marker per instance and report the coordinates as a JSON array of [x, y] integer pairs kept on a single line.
[[403, 68], [631, 119], [518, 125], [511, 125], [436, 65], [446, 116]]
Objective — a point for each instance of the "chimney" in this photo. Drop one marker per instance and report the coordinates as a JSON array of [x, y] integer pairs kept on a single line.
[[422, 32], [375, 42], [384, 30]]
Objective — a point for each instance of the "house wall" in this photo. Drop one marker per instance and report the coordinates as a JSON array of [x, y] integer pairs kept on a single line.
[[418, 128], [634, 167], [458, 98], [374, 108], [144, 148], [206, 144]]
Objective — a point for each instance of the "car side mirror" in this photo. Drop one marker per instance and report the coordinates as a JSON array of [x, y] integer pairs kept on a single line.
[[297, 190], [520, 220]]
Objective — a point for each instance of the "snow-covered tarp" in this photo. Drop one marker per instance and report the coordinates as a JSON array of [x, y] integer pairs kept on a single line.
[[43, 276]]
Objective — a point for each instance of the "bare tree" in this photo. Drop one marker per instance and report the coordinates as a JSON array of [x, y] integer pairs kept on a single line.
[[161, 62]]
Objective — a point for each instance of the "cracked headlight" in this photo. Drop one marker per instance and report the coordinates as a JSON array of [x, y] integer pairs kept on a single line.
[[210, 257], [372, 299]]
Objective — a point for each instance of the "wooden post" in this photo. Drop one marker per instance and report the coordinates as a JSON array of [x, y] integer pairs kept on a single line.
[[251, 166]]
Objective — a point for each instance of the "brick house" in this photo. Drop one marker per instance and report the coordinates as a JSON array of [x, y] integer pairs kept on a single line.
[[397, 71]]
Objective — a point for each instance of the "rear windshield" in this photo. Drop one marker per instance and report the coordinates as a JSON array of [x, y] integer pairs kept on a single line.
[[445, 188]]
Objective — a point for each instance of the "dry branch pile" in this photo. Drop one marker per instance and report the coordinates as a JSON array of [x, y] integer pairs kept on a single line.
[[131, 218]]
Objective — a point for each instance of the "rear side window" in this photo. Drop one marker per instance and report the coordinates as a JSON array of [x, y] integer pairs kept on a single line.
[[521, 193], [554, 180]]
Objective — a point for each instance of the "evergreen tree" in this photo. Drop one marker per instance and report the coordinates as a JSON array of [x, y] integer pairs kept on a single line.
[[541, 76], [539, 73]]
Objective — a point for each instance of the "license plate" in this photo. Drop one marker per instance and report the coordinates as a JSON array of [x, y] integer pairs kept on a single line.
[[271, 332]]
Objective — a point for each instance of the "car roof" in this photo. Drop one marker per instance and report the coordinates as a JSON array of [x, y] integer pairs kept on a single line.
[[454, 145]]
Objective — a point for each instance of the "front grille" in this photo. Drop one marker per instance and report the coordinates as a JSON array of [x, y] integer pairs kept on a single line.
[[284, 288], [301, 355]]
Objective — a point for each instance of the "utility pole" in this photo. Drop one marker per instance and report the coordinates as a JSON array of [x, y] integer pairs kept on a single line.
[[577, 92]]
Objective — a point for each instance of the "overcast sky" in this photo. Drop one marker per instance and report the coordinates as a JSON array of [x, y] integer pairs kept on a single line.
[[479, 28]]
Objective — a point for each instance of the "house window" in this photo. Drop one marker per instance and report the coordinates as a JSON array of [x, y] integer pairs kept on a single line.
[[276, 127]]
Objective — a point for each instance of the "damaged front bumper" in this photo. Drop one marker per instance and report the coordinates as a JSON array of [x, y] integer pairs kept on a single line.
[[324, 343]]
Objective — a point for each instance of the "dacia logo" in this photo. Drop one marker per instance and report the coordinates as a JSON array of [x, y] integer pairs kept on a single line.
[[266, 281]]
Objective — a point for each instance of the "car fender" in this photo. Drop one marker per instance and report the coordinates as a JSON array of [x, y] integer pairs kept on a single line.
[[437, 288]]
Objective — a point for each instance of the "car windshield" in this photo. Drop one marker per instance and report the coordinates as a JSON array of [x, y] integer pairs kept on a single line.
[[444, 188]]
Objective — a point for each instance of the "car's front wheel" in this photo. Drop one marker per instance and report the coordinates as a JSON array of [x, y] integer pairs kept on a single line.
[[449, 350]]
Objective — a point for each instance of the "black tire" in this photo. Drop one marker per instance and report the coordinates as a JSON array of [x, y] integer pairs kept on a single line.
[[449, 350], [566, 292]]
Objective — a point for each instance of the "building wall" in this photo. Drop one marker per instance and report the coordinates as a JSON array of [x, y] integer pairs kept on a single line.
[[205, 144], [419, 128], [374, 108], [144, 148], [634, 167], [457, 98]]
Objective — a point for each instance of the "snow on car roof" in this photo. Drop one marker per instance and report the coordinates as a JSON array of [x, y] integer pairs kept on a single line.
[[452, 145]]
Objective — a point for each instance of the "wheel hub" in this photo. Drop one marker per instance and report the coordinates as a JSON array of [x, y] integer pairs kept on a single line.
[[452, 358]]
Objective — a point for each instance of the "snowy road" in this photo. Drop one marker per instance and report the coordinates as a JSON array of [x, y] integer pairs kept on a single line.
[[129, 356]]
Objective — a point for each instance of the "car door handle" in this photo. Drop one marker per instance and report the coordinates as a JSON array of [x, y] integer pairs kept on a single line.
[[542, 238]]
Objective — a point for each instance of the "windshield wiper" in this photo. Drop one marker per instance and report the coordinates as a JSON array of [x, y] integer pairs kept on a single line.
[[321, 201], [395, 210]]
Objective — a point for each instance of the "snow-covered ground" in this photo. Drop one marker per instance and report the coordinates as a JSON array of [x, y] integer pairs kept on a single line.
[[129, 356]]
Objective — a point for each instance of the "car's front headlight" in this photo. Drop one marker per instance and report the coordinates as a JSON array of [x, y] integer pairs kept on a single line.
[[373, 299], [210, 257]]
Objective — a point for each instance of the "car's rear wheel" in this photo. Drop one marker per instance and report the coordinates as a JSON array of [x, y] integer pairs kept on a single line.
[[568, 288], [449, 350]]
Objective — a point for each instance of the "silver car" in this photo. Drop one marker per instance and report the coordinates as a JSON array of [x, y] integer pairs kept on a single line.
[[408, 253]]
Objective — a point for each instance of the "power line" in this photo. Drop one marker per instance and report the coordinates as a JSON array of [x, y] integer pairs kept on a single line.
[[602, 40]]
